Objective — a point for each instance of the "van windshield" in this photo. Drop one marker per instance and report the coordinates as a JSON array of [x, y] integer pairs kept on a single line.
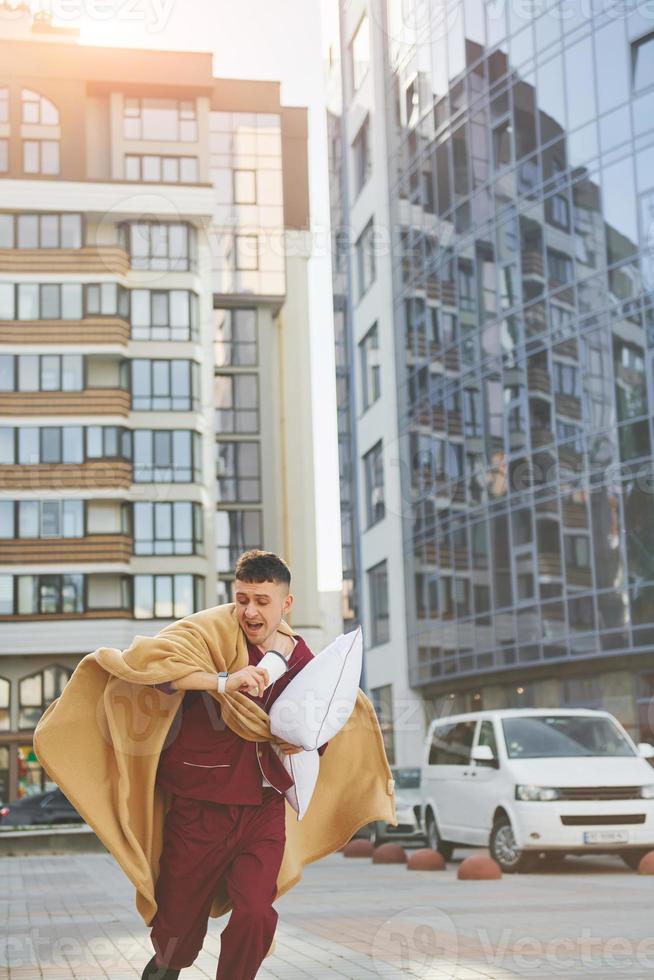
[[563, 736]]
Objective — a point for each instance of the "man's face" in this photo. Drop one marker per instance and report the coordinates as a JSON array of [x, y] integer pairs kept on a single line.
[[260, 607]]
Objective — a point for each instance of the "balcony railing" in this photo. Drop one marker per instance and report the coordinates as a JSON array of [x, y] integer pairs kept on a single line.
[[104, 259], [93, 547], [90, 401], [96, 474], [93, 330]]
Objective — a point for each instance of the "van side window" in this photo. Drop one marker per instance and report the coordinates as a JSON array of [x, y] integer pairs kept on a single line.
[[451, 744], [487, 737]]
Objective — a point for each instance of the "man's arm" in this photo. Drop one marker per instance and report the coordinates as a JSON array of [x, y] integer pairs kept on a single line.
[[247, 679]]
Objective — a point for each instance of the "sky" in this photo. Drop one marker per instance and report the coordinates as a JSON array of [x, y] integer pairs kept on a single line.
[[263, 39]]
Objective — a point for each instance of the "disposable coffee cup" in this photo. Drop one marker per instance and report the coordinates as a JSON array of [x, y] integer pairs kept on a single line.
[[275, 664]]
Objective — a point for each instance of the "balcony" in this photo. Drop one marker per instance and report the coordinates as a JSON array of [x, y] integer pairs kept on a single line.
[[539, 380], [92, 259], [94, 475], [574, 515], [93, 548], [93, 330], [568, 406], [91, 401], [533, 265]]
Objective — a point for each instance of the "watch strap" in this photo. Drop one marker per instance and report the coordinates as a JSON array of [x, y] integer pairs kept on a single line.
[[221, 681]]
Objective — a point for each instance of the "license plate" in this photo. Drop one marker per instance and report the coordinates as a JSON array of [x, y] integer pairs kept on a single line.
[[606, 837]]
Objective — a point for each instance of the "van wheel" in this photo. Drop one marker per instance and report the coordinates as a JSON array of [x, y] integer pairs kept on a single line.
[[435, 841], [633, 858], [505, 851]]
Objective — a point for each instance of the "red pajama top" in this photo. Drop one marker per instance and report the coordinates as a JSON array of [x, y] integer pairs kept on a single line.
[[204, 759]]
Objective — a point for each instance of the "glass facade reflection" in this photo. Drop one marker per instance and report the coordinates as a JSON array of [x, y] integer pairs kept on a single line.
[[522, 185]]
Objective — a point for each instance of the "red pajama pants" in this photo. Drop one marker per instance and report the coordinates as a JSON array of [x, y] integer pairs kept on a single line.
[[202, 843]]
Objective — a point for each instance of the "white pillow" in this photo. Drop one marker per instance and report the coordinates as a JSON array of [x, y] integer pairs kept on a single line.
[[318, 702], [303, 769]]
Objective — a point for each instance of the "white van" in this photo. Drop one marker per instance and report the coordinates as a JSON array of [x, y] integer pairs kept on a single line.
[[526, 781]]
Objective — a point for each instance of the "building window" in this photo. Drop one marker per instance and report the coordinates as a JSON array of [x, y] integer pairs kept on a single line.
[[160, 119], [236, 338], [559, 267], [41, 157], [245, 186], [4, 156], [63, 444], [373, 463], [50, 301], [164, 385], [236, 531], [166, 456], [41, 231], [6, 595], [366, 264], [7, 301], [167, 596], [44, 595], [502, 153], [4, 105], [370, 367], [53, 444], [161, 170], [37, 110], [362, 156], [44, 519], [238, 471], [557, 211], [163, 314], [168, 528], [577, 550], [360, 53], [378, 597], [167, 246], [382, 702], [5, 725], [40, 154], [642, 62], [38, 691], [106, 299], [247, 252], [566, 379], [237, 403], [45, 372]]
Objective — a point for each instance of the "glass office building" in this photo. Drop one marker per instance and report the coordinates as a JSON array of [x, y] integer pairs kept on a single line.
[[520, 150], [523, 197]]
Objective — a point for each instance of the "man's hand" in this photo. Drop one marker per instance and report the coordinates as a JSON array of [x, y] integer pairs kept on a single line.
[[286, 747], [249, 680]]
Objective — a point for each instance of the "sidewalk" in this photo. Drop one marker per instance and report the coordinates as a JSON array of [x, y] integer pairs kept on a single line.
[[74, 917]]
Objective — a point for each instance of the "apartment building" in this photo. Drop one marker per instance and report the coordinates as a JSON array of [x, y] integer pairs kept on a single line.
[[155, 408], [500, 197]]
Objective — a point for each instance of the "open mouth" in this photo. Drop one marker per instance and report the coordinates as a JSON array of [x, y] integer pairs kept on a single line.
[[254, 626]]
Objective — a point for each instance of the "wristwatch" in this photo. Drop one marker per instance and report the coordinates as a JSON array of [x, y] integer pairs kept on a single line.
[[222, 681]]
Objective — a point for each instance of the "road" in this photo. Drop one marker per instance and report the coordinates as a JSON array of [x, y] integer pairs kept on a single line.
[[74, 917]]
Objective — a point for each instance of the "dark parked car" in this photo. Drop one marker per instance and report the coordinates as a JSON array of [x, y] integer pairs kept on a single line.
[[50, 807]]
